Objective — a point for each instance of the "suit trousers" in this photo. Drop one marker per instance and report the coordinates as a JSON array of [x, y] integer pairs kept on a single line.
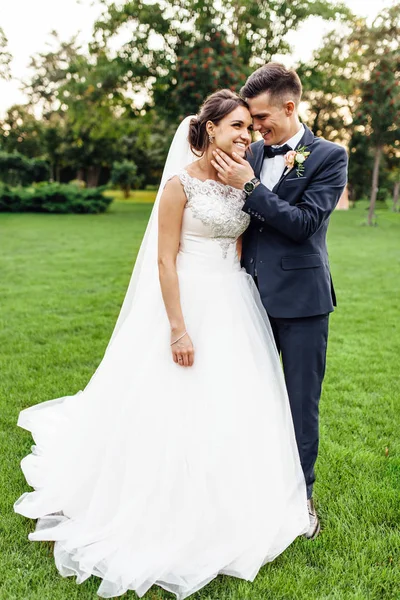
[[302, 343]]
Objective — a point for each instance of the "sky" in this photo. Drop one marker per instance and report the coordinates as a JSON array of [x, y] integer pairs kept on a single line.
[[28, 23]]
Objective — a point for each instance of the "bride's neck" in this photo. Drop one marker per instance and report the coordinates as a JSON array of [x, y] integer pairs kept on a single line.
[[205, 167]]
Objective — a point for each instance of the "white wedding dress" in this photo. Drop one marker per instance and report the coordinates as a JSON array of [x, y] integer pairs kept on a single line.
[[158, 474]]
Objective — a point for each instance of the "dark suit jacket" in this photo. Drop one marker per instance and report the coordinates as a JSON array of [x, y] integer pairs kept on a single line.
[[285, 243]]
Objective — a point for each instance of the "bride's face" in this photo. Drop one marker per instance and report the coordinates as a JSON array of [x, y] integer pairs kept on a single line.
[[233, 132]]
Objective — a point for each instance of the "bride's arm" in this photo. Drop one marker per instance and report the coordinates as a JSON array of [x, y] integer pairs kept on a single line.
[[239, 244], [172, 204]]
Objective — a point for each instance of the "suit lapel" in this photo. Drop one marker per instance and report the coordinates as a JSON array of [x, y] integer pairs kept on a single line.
[[283, 177], [306, 139]]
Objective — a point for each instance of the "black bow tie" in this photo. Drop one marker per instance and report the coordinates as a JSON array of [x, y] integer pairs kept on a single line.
[[270, 152]]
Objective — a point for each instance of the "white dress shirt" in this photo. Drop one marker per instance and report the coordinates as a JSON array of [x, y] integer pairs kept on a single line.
[[273, 168]]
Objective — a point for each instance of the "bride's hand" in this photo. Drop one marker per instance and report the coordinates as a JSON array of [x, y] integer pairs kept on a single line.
[[182, 350]]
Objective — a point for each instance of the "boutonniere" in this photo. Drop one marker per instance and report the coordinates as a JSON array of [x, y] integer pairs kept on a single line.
[[296, 157]]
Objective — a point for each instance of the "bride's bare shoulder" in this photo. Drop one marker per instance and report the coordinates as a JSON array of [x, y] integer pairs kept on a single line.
[[173, 191], [174, 182]]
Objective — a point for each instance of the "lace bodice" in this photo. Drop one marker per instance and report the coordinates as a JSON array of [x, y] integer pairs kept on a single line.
[[216, 211]]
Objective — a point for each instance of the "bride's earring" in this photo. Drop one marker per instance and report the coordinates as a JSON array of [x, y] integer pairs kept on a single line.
[[211, 139]]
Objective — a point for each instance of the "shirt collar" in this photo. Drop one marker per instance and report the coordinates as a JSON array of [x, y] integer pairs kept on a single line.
[[293, 141]]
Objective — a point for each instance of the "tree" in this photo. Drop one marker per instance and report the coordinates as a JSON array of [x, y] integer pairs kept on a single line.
[[46, 137], [87, 119], [345, 96], [361, 166], [145, 141], [396, 190], [55, 137], [393, 164], [81, 97], [22, 131], [17, 169], [379, 113], [330, 81], [124, 175], [163, 35], [202, 68]]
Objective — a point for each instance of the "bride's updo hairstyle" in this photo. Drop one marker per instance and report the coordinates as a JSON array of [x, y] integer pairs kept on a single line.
[[214, 109]]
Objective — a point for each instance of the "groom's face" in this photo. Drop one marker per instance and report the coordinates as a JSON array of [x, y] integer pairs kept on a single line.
[[271, 118]]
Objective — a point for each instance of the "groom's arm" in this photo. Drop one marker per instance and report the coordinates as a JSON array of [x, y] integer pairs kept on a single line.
[[300, 221]]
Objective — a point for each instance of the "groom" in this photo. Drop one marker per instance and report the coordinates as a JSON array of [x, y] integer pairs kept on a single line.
[[293, 181]]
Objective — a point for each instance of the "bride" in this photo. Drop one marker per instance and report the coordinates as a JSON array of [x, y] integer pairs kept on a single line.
[[178, 461]]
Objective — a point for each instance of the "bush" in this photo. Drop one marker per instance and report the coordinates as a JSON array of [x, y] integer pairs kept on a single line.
[[53, 198], [17, 169], [80, 183]]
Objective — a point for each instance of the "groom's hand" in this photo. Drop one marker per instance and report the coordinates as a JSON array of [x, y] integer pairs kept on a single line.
[[233, 171]]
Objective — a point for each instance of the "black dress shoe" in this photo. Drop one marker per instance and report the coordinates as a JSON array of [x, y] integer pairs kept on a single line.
[[315, 526]]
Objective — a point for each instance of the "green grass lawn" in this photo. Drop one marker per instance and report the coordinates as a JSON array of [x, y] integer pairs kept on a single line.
[[137, 196], [63, 278]]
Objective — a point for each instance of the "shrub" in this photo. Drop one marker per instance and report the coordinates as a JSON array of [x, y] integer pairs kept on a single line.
[[53, 198], [80, 183], [17, 169]]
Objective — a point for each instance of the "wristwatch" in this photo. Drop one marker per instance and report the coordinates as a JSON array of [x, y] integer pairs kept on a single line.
[[251, 185]]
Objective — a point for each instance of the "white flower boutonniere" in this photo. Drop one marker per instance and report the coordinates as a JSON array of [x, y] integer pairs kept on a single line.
[[296, 157]]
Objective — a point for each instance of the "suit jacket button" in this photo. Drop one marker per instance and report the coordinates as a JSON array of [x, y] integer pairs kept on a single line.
[[251, 260], [261, 229]]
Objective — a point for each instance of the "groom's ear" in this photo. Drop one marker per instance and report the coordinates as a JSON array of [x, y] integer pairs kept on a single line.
[[289, 107]]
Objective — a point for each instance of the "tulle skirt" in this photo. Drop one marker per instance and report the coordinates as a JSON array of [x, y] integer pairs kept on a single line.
[[159, 474]]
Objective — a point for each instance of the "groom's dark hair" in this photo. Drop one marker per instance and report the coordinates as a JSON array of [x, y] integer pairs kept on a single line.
[[281, 83]]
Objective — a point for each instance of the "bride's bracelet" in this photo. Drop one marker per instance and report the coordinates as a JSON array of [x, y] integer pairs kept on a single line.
[[179, 338]]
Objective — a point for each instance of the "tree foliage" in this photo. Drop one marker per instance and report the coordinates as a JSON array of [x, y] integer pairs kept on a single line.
[[163, 35], [203, 67], [17, 169], [83, 106], [379, 113], [345, 59], [5, 57], [351, 87], [22, 131], [174, 55], [378, 110], [329, 88]]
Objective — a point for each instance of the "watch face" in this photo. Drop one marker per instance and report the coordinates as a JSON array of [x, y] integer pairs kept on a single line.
[[248, 186]]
